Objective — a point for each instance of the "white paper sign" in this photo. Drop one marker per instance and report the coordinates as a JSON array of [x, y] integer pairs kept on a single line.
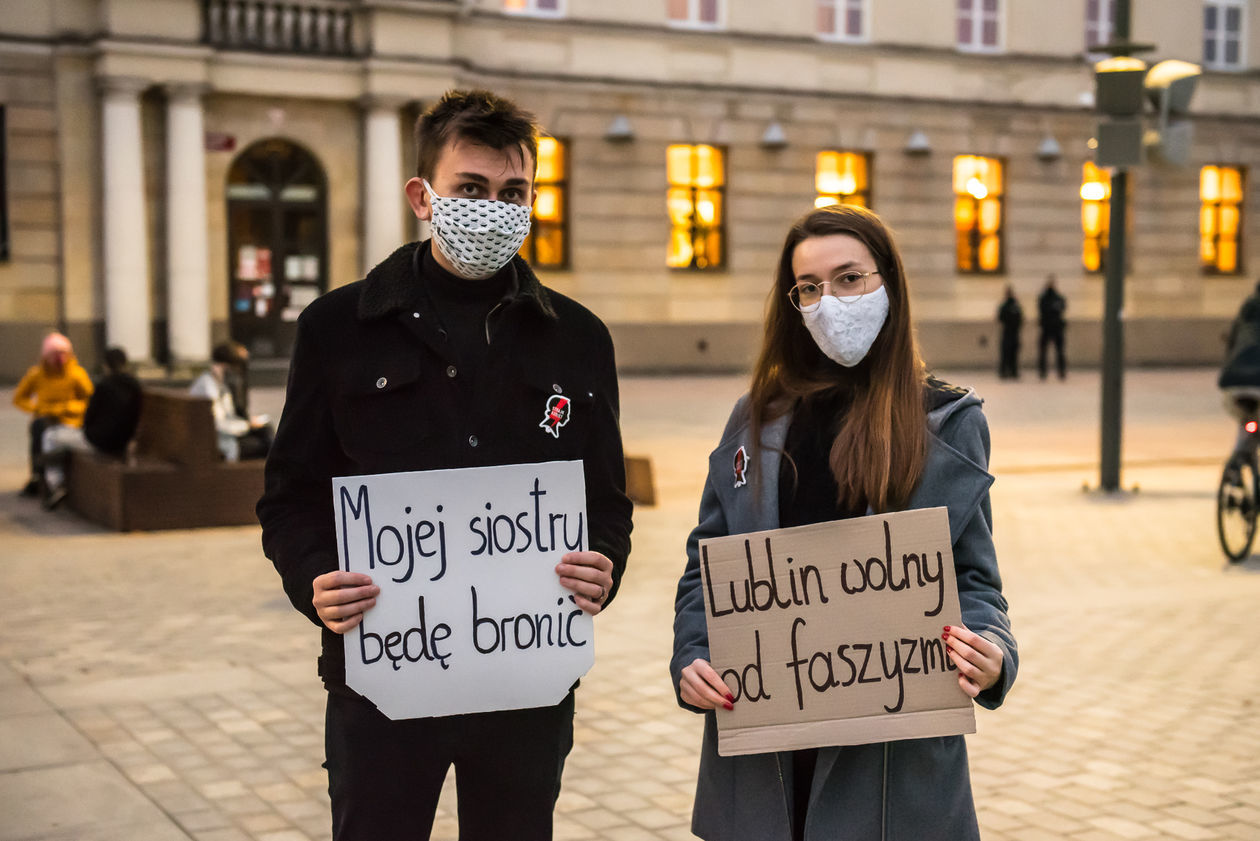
[[471, 615]]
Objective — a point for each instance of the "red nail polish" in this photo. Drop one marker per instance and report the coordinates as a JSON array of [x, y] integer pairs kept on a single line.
[[729, 705], [947, 629], [730, 697], [945, 636]]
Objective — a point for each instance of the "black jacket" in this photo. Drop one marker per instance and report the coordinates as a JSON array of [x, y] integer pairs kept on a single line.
[[375, 388], [113, 413]]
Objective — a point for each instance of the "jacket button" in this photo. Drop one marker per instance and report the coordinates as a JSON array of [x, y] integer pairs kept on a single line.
[[472, 440], [450, 371], [382, 382], [556, 388], [415, 315]]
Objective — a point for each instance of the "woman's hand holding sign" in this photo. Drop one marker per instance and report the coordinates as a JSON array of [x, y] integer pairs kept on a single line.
[[979, 660], [341, 597], [702, 687], [589, 576]]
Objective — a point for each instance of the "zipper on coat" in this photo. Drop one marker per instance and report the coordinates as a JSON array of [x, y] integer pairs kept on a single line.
[[489, 316], [883, 796], [787, 800]]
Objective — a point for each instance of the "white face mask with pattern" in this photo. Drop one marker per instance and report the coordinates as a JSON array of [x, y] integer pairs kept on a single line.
[[477, 236], [845, 330]]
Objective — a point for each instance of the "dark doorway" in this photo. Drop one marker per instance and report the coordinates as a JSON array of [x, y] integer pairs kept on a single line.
[[277, 243]]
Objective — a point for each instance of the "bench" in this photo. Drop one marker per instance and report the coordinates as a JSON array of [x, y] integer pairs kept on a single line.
[[173, 476]]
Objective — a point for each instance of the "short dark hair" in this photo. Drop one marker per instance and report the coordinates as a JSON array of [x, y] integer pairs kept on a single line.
[[478, 116], [115, 359], [230, 353]]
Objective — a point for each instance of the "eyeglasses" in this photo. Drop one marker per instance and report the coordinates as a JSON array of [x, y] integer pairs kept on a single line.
[[848, 287]]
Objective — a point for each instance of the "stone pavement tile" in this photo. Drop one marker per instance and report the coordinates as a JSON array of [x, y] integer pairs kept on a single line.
[[261, 822], [224, 834], [32, 740], [1181, 829], [283, 835], [651, 818], [991, 820], [629, 833], [598, 818], [88, 801], [1121, 828], [202, 820], [1195, 815]]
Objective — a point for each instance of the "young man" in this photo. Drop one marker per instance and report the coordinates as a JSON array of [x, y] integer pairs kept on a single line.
[[447, 354]]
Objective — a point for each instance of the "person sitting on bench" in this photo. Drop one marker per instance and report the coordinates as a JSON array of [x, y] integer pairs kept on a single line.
[[56, 392], [241, 436]]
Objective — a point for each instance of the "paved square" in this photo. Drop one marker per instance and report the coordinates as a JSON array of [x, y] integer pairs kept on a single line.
[[158, 686]]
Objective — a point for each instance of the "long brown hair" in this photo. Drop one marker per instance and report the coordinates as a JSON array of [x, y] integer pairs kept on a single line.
[[879, 450]]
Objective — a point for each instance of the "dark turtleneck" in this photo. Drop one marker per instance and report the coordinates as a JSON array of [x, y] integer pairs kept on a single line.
[[462, 306]]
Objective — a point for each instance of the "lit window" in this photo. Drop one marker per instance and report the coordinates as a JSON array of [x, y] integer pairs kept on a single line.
[[1095, 216], [978, 211], [1220, 219], [842, 178], [1223, 28], [842, 20], [1100, 22], [547, 246], [704, 14], [979, 25], [695, 200], [549, 8]]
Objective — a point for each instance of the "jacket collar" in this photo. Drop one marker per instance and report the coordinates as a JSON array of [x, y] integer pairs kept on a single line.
[[395, 285], [950, 479]]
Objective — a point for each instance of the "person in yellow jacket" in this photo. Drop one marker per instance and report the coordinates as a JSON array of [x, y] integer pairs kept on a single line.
[[56, 392]]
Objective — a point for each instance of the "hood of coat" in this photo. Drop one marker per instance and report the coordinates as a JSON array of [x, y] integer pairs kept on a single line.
[[950, 478]]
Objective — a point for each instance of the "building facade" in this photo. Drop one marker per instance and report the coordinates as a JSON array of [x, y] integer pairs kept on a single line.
[[176, 172]]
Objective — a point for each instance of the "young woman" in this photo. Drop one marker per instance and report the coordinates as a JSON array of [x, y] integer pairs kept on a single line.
[[842, 420]]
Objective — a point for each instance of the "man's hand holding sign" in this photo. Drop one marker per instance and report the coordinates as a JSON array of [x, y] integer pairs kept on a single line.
[[837, 633]]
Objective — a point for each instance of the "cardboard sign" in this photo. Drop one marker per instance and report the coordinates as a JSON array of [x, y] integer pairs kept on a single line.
[[830, 634], [471, 615]]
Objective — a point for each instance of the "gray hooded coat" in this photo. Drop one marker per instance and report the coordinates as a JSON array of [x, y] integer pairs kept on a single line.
[[914, 790]]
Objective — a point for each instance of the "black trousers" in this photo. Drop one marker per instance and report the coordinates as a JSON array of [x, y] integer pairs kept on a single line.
[[385, 777], [38, 425], [1051, 337], [1008, 365]]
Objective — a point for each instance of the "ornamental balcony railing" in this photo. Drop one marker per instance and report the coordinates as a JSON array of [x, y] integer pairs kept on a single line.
[[310, 27]]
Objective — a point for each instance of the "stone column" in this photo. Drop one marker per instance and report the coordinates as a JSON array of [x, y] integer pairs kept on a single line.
[[383, 197], [124, 226], [187, 256]]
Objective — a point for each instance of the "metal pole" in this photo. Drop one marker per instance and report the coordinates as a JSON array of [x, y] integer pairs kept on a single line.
[[1113, 336], [1113, 305]]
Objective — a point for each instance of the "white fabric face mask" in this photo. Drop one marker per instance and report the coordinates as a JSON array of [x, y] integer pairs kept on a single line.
[[846, 331], [477, 236]]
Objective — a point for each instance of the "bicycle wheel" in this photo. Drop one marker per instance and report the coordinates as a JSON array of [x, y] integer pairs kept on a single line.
[[1236, 509]]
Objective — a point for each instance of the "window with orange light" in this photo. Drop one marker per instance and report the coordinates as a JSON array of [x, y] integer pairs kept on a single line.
[[696, 202], [1095, 216], [979, 196], [842, 178], [547, 246], [549, 8], [1220, 218]]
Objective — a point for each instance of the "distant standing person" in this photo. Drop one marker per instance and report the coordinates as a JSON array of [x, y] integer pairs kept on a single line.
[[56, 392], [1051, 306], [1011, 316]]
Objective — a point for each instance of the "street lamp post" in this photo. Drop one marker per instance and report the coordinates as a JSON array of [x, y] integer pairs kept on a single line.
[[1122, 85], [1113, 298]]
